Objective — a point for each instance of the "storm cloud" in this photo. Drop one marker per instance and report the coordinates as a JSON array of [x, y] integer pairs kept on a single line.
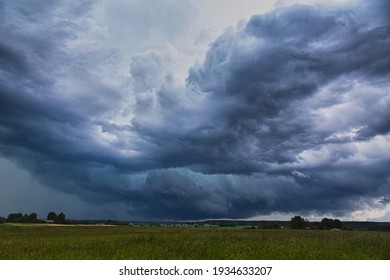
[[288, 112]]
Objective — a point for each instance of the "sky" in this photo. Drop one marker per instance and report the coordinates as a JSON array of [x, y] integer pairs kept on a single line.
[[191, 110]]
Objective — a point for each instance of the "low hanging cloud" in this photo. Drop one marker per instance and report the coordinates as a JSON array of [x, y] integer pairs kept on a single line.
[[288, 113]]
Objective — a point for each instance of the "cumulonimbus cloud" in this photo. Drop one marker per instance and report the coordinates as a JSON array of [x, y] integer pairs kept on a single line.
[[289, 113]]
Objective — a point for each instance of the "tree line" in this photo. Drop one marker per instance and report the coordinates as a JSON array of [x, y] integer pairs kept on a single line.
[[297, 222], [52, 217]]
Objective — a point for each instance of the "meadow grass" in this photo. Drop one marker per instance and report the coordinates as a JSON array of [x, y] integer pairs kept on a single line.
[[33, 242]]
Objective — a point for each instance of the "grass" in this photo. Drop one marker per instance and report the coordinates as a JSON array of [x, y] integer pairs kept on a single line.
[[120, 242]]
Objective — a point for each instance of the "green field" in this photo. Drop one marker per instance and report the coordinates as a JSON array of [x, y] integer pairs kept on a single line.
[[123, 242]]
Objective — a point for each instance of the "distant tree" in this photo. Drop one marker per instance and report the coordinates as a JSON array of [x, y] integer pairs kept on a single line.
[[327, 223], [60, 218], [15, 218], [297, 222], [20, 218], [33, 216], [337, 224], [52, 216]]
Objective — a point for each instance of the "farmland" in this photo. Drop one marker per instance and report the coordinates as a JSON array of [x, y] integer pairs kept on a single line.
[[144, 242]]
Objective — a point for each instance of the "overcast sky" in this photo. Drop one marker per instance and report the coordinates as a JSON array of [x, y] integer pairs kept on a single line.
[[182, 110]]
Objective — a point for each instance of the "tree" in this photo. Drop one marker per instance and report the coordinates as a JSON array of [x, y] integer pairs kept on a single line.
[[52, 216], [337, 224], [15, 218], [327, 223], [33, 216], [297, 222], [20, 218], [60, 218]]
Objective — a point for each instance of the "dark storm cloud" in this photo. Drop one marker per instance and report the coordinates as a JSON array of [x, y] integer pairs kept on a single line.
[[287, 114], [259, 78], [41, 127]]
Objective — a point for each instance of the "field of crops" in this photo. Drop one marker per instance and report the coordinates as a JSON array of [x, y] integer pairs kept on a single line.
[[125, 242]]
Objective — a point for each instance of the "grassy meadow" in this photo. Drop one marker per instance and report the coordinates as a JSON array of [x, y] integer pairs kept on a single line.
[[42, 242]]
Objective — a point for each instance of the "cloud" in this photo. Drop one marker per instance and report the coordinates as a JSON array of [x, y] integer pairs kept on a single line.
[[262, 78], [286, 114], [299, 174]]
